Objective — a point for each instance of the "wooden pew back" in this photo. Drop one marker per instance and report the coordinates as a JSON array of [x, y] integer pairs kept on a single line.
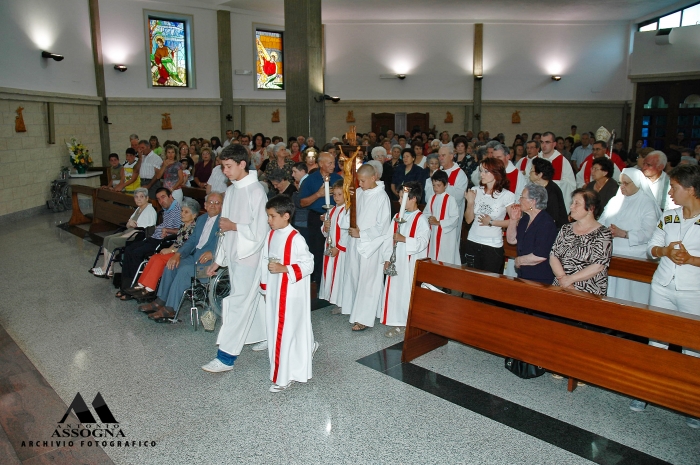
[[112, 208], [644, 372]]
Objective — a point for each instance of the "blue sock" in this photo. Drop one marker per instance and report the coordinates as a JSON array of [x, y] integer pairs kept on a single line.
[[225, 358]]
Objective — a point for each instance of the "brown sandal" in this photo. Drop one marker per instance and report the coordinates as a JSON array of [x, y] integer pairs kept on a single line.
[[149, 308], [359, 327], [162, 314]]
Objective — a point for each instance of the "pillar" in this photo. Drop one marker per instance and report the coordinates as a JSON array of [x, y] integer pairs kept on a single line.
[[223, 27], [96, 38], [478, 76], [303, 68]]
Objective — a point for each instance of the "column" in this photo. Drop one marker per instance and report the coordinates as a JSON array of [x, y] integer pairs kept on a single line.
[[478, 76], [99, 78], [303, 66], [223, 26]]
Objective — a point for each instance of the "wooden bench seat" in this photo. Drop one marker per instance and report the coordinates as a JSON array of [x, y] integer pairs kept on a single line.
[[488, 321]]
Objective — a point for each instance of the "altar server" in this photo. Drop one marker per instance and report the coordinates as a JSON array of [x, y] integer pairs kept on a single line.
[[244, 222], [444, 220], [287, 265], [411, 240], [334, 264], [364, 279], [563, 173]]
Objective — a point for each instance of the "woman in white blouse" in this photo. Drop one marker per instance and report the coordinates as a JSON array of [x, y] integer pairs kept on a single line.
[[487, 205], [632, 216]]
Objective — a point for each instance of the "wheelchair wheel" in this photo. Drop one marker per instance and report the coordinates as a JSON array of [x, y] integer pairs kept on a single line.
[[219, 287], [66, 197]]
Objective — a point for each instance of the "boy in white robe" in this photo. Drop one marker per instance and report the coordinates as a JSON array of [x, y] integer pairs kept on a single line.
[[334, 264], [411, 240], [244, 223], [364, 278], [444, 219], [285, 281]]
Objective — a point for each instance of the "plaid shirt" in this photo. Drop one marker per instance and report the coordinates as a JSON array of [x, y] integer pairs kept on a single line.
[[171, 220]]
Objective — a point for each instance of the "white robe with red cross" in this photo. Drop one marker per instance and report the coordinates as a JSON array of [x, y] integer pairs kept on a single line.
[[290, 338], [333, 267], [364, 265], [444, 239], [516, 178], [397, 289]]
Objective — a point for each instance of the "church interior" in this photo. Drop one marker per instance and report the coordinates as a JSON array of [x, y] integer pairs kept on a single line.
[[97, 72]]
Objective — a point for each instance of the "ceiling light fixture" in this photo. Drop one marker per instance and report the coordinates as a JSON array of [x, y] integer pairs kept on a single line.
[[120, 68], [401, 76], [53, 56]]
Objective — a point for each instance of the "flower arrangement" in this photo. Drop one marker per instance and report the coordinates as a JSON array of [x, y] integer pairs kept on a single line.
[[79, 155]]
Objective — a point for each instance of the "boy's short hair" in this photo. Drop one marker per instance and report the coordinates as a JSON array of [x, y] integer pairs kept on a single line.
[[440, 176], [338, 184], [281, 204], [237, 153], [114, 155], [301, 166], [131, 151], [415, 192]]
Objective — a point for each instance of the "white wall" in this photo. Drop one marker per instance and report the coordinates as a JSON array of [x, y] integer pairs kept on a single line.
[[124, 42], [436, 57], [682, 56], [519, 60], [29, 26], [242, 37]]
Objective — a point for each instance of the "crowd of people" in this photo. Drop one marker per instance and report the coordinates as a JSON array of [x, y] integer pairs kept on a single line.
[[568, 203]]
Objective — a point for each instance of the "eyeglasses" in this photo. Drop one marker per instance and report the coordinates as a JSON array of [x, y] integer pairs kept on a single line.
[[213, 202]]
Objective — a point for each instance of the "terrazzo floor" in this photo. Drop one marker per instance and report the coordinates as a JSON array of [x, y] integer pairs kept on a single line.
[[82, 339]]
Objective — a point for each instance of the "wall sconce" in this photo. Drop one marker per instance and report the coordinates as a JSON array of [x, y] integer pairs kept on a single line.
[[120, 68], [392, 76], [478, 77], [327, 97], [401, 76], [54, 56], [556, 78]]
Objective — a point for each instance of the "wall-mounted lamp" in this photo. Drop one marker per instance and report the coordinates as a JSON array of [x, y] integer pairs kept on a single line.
[[478, 77], [327, 97], [401, 76], [52, 55], [392, 76], [556, 78], [120, 68]]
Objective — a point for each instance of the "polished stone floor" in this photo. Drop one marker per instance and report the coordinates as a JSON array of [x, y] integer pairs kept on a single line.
[[453, 405]]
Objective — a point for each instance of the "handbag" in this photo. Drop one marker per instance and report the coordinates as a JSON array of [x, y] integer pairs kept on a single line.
[[522, 369]]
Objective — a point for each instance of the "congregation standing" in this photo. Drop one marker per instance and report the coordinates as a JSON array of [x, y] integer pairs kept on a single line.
[[568, 204]]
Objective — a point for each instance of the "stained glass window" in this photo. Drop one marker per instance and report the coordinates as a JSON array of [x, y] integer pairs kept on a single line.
[[269, 60], [169, 52]]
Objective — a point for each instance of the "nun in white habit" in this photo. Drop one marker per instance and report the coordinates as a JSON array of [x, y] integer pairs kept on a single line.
[[632, 216]]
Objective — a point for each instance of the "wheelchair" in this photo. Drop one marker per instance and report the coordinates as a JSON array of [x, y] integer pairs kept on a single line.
[[205, 293]]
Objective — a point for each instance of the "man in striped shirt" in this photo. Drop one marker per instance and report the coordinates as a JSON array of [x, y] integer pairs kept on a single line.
[[136, 251]]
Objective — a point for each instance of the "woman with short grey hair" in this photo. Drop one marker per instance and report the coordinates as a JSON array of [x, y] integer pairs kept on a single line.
[[145, 216], [534, 232], [281, 161]]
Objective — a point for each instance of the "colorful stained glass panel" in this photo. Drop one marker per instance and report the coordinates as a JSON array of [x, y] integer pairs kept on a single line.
[[269, 60], [168, 52]]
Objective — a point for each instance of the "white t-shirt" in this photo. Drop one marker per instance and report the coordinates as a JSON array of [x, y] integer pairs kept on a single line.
[[217, 180], [495, 207]]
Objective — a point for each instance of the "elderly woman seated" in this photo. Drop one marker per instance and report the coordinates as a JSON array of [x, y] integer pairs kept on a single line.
[[148, 281], [145, 216], [632, 216], [581, 253], [534, 232]]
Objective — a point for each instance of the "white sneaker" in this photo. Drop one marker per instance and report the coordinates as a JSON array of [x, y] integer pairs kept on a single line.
[[217, 366], [260, 346], [637, 405], [316, 346], [692, 422], [336, 311], [278, 388]]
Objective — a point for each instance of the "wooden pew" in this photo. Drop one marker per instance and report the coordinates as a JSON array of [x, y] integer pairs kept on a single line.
[[662, 377], [112, 208], [636, 269], [195, 193], [77, 217]]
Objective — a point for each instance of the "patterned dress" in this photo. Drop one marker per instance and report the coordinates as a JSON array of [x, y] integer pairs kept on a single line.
[[576, 252]]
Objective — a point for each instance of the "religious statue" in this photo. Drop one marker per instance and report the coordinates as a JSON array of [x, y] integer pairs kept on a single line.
[[276, 116], [449, 118], [166, 123], [515, 118], [351, 136], [19, 121], [350, 118], [350, 164]]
